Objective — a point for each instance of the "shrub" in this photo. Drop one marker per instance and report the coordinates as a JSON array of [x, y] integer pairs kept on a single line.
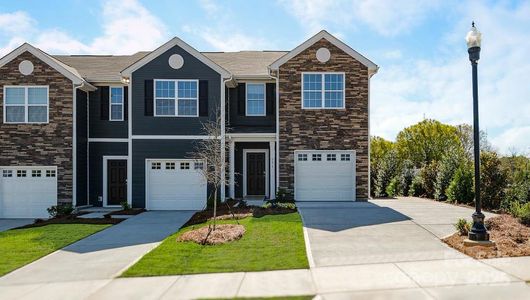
[[125, 205], [388, 169], [463, 226], [275, 204], [416, 187], [446, 170], [493, 180], [516, 192], [461, 187], [61, 210], [392, 188], [405, 178], [521, 211], [282, 195], [428, 176]]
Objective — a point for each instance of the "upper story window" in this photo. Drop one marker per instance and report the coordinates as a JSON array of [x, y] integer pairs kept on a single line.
[[116, 103], [322, 90], [26, 104], [255, 99], [176, 98]]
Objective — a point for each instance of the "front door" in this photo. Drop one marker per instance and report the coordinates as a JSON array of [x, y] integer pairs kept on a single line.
[[116, 181], [256, 173]]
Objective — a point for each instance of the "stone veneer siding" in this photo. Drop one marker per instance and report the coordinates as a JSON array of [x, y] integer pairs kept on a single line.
[[40, 144], [323, 129]]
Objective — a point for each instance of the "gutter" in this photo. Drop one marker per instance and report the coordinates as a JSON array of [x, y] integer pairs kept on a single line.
[[277, 108]]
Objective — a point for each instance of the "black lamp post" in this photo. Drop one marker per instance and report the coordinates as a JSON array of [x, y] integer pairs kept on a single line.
[[478, 231]]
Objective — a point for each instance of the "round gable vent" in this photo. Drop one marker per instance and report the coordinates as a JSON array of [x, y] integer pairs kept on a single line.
[[176, 61], [25, 67], [323, 55]]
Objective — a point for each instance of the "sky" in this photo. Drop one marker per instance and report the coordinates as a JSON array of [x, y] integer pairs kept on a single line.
[[418, 45]]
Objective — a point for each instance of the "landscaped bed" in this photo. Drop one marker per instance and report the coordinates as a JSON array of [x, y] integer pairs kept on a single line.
[[510, 236], [19, 247], [270, 242], [72, 219]]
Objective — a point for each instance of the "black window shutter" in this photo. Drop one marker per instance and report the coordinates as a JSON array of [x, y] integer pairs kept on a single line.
[[271, 98], [104, 100], [148, 97], [241, 99], [125, 103], [203, 98]]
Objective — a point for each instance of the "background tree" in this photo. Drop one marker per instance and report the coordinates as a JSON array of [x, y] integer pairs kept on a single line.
[[493, 180], [446, 170], [387, 170], [379, 147], [460, 189], [465, 135]]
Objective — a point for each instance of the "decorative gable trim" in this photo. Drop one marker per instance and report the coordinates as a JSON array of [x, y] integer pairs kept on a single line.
[[170, 44], [372, 67], [62, 68]]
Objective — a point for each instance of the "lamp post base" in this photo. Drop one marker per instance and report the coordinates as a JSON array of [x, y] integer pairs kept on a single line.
[[470, 243], [478, 231]]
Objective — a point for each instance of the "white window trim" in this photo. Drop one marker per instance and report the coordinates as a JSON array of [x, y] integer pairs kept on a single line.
[[176, 99], [122, 103], [264, 99], [26, 105], [323, 91]]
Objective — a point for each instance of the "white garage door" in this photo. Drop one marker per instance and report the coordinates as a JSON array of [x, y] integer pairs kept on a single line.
[[26, 192], [175, 185], [324, 175]]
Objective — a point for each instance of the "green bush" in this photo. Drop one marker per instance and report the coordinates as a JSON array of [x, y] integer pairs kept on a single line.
[[463, 226], [125, 205], [521, 211], [388, 169], [282, 195], [493, 180], [416, 187], [275, 204], [428, 176], [405, 178], [461, 187], [61, 210], [516, 192], [392, 188], [446, 170]]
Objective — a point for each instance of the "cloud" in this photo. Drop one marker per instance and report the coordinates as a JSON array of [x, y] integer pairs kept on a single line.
[[404, 92], [127, 27], [386, 17]]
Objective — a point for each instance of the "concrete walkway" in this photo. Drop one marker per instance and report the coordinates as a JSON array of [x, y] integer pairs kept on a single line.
[[101, 256], [6, 224]]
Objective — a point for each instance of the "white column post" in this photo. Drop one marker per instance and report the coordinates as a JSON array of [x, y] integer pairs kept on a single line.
[[231, 164], [272, 173]]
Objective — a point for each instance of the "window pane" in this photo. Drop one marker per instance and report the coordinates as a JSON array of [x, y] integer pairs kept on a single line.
[[333, 99], [165, 107], [38, 95], [187, 107], [312, 99], [116, 95], [255, 99], [334, 82], [116, 112], [37, 114], [313, 82], [15, 95], [15, 113], [165, 89], [187, 89]]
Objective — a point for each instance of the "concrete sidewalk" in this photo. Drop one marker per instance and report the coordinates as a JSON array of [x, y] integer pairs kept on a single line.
[[101, 256]]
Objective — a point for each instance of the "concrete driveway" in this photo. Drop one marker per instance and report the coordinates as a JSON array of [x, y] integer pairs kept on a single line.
[[380, 231], [6, 224], [102, 256]]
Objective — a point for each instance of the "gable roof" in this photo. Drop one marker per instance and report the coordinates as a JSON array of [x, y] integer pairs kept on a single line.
[[372, 67], [170, 44], [246, 64], [61, 67]]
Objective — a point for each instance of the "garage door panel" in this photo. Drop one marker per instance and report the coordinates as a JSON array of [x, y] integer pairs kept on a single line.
[[325, 180]]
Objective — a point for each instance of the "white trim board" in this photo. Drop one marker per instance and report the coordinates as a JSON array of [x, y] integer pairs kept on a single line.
[[372, 67], [267, 167], [166, 47], [108, 140], [106, 158], [171, 137]]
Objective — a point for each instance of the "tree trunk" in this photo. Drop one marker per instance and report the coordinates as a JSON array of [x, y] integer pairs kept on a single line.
[[214, 208]]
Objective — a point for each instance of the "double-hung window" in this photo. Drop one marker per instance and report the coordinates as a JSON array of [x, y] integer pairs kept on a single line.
[[176, 98], [255, 99], [26, 104], [116, 103], [322, 90]]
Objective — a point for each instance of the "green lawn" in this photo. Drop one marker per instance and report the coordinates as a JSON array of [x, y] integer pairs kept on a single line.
[[272, 242], [19, 247]]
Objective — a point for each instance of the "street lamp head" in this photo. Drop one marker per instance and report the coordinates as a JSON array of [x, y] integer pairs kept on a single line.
[[473, 37]]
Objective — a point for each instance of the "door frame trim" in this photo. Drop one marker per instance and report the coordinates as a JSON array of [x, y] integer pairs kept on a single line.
[[267, 166], [106, 158]]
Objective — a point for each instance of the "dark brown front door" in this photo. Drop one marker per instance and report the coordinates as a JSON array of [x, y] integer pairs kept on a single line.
[[116, 182], [255, 173]]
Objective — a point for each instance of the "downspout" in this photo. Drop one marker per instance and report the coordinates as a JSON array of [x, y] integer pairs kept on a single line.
[[223, 138], [277, 108], [74, 143]]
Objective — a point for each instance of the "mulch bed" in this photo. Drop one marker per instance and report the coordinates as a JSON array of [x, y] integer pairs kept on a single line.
[[510, 236], [227, 211], [126, 212], [73, 219], [223, 233]]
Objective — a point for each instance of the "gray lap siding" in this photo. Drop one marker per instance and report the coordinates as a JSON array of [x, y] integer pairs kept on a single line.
[[96, 153], [160, 69], [104, 128]]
